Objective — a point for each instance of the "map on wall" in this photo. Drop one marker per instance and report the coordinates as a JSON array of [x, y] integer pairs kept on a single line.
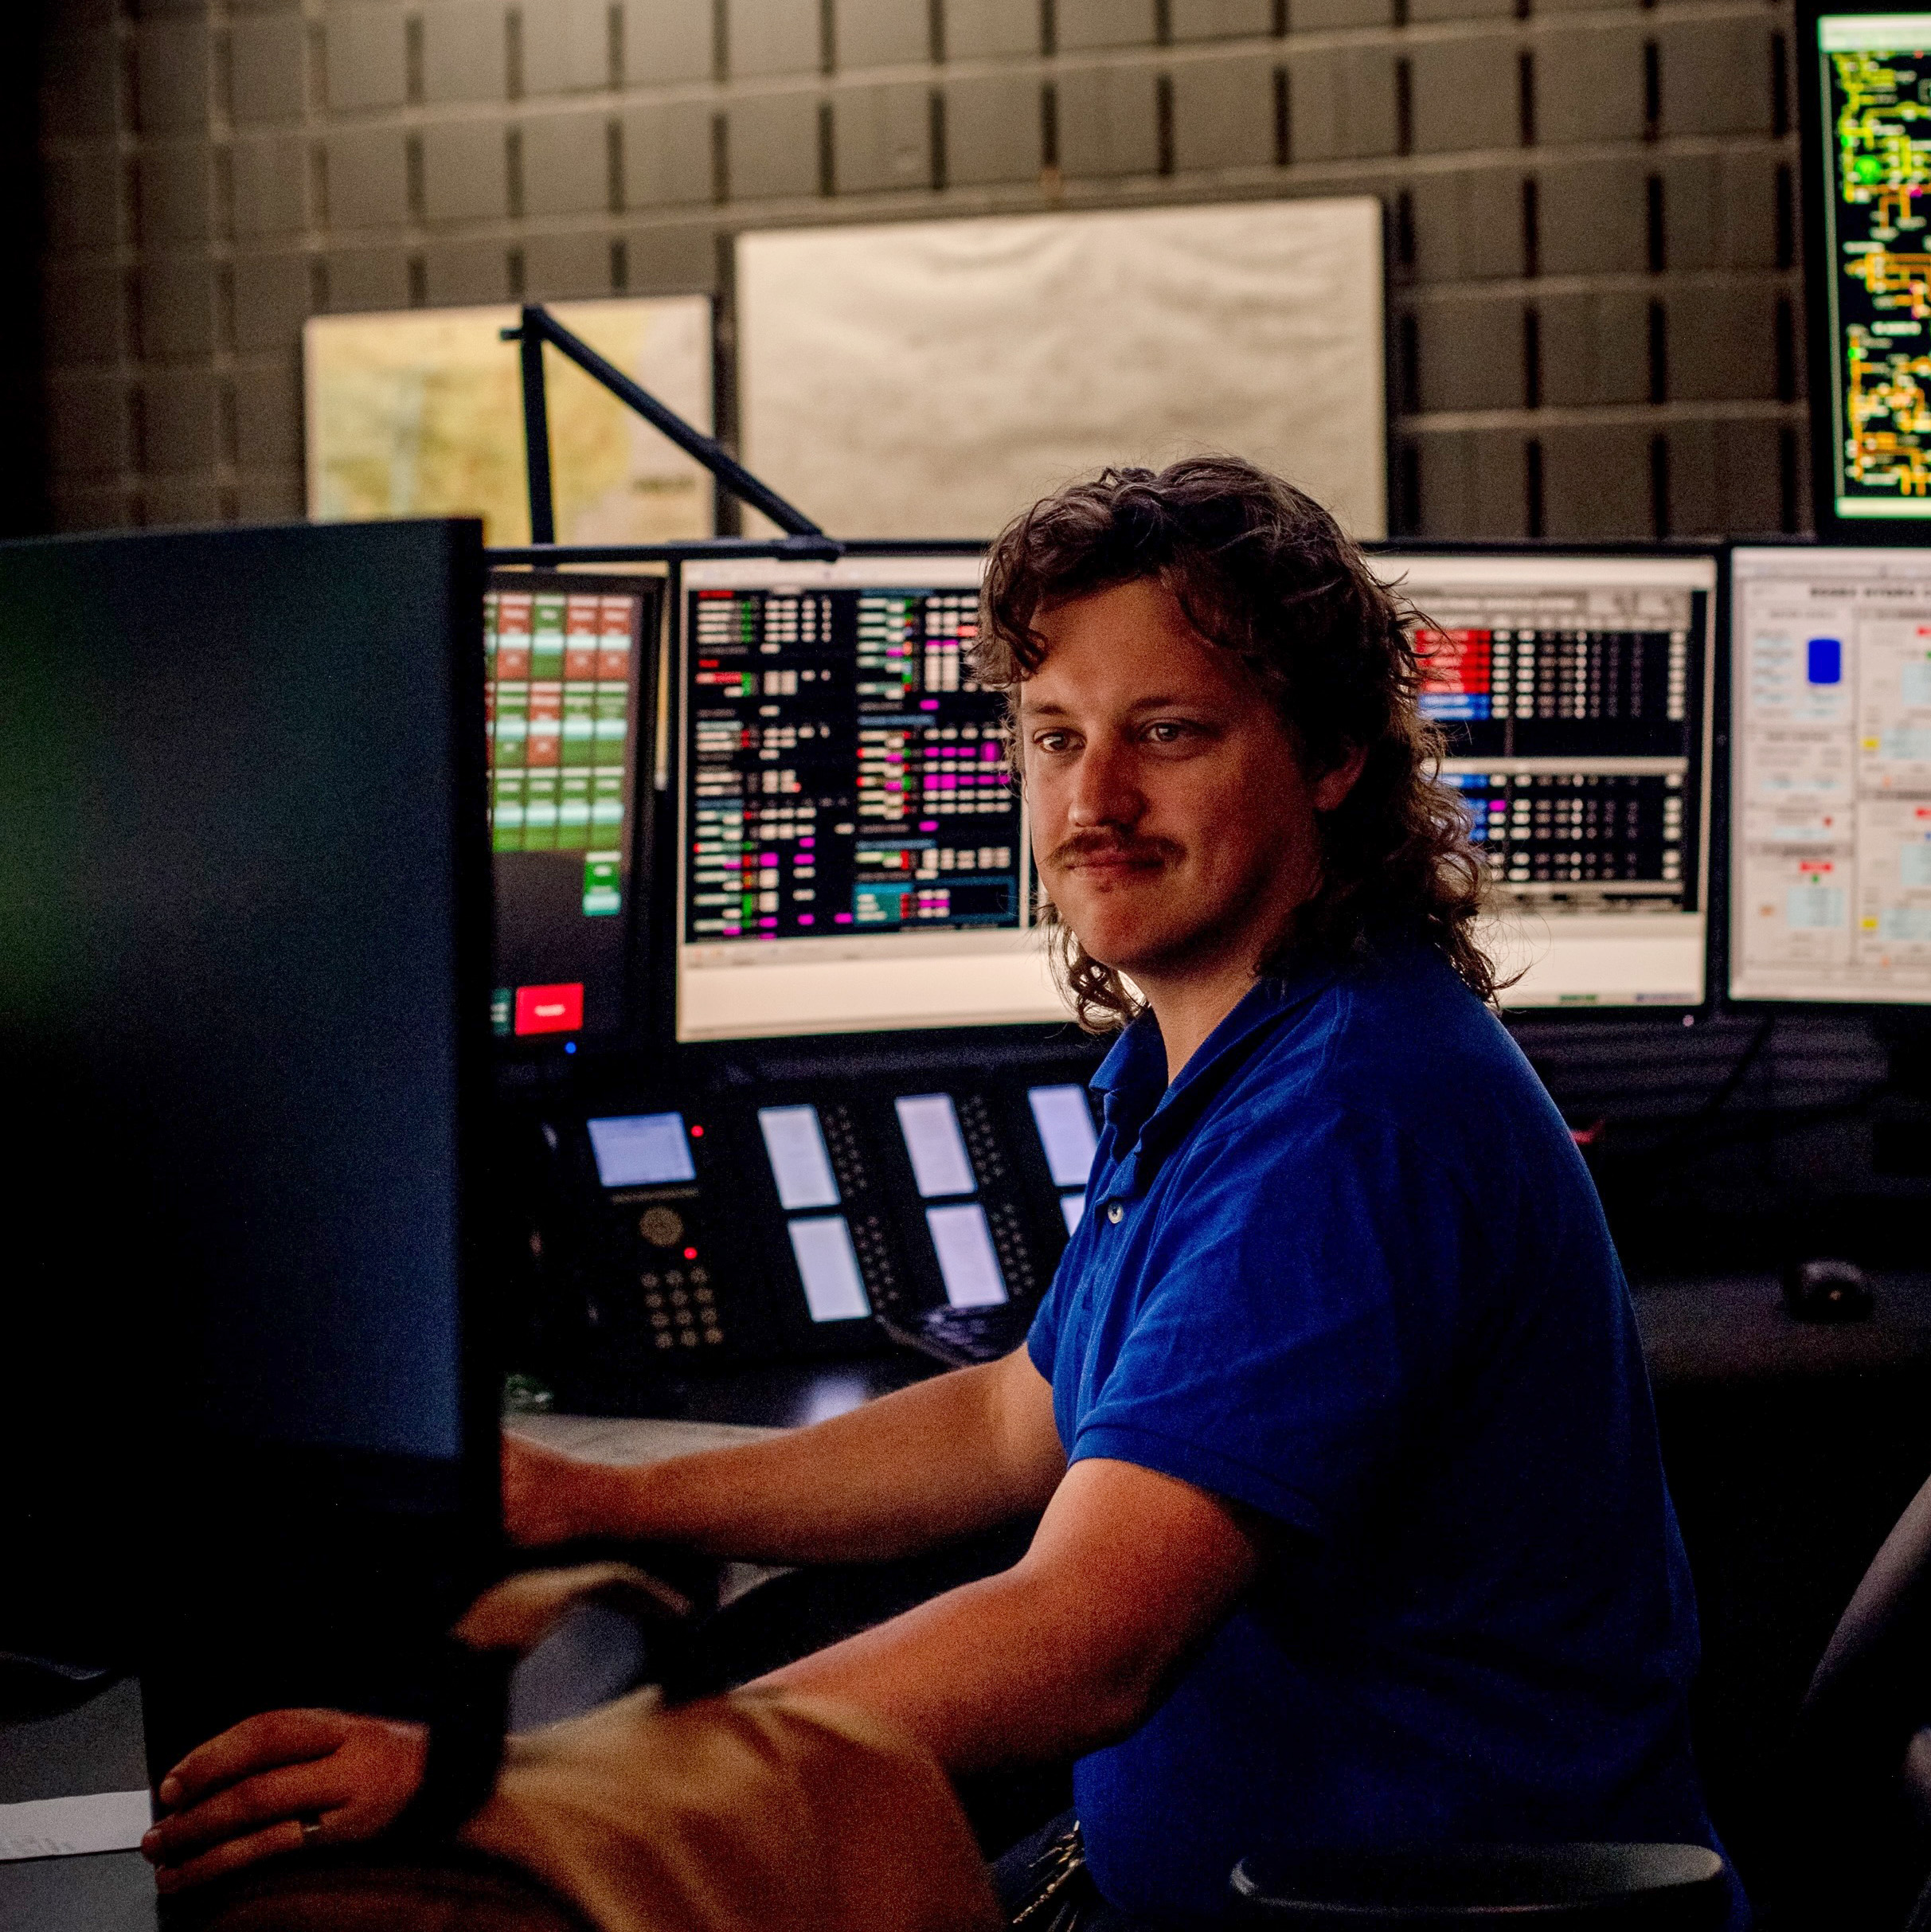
[[420, 414], [932, 378]]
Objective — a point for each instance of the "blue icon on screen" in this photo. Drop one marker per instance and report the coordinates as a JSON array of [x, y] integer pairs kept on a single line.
[[1826, 663]]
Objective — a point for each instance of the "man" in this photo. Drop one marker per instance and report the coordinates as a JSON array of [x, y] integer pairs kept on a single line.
[[1353, 1527]]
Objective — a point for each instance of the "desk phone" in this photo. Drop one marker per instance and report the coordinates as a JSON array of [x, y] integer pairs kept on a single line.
[[810, 1216]]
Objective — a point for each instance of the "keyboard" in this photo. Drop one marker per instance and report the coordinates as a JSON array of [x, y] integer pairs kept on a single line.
[[960, 1337]]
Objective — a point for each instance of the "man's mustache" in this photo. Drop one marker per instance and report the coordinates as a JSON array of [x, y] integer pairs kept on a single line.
[[1069, 852]]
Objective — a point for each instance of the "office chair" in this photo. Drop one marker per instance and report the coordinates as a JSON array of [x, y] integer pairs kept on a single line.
[[1468, 1888], [1860, 1828]]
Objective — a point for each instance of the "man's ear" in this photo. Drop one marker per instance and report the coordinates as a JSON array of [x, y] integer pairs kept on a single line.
[[1337, 780]]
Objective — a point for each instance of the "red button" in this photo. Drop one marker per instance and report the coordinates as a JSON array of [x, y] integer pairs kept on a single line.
[[549, 1009]]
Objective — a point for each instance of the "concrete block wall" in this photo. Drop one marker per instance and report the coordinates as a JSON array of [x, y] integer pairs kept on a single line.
[[1595, 311]]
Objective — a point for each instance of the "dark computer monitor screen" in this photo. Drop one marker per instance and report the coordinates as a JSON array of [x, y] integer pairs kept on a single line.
[[851, 854], [1830, 774], [244, 945], [1863, 74], [569, 662], [1574, 690]]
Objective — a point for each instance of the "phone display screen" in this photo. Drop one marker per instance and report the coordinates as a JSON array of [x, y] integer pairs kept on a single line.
[[828, 1266], [794, 1144], [642, 1150]]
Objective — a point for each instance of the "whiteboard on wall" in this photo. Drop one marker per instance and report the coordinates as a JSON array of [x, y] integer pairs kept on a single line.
[[933, 379], [420, 413]]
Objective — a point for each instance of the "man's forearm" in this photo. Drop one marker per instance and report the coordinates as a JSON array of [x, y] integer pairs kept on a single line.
[[939, 1460], [985, 1676], [1068, 1650]]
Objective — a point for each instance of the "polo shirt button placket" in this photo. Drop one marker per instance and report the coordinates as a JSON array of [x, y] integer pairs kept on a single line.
[[1114, 1211]]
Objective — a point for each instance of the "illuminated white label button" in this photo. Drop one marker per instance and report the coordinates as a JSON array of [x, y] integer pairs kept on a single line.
[[1114, 1211]]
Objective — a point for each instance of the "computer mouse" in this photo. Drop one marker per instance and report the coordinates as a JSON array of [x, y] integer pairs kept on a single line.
[[1826, 1290]]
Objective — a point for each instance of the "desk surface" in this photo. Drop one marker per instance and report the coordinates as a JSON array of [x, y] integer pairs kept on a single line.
[[1695, 1334], [1738, 1330]]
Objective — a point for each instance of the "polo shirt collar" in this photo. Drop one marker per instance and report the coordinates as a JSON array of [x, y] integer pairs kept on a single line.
[[1148, 1115]]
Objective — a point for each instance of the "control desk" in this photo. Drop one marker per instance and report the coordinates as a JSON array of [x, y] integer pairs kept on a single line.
[[802, 1214]]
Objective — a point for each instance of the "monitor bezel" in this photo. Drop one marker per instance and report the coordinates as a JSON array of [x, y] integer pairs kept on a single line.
[[1759, 1006], [514, 1053], [1648, 1012], [1818, 287]]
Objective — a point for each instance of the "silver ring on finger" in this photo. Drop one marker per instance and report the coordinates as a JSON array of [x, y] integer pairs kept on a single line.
[[311, 1828]]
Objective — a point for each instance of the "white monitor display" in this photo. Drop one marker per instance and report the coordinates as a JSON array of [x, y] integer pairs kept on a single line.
[[1575, 693], [853, 856], [1831, 775]]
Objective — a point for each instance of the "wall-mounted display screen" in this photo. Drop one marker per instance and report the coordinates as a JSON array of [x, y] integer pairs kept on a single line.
[[1871, 163], [1831, 775]]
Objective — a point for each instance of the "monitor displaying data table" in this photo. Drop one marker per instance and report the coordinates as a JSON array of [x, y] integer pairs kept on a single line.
[[568, 660], [1831, 775], [1574, 693], [851, 854]]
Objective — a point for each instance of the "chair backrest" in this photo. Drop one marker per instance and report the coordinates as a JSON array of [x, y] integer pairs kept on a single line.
[[1855, 1834], [1461, 1888]]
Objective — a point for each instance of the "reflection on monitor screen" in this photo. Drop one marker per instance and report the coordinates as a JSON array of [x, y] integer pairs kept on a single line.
[[563, 662], [852, 855], [940, 1162], [1574, 693], [794, 1144], [1830, 765], [1065, 1131], [642, 1150], [967, 1264], [828, 1266]]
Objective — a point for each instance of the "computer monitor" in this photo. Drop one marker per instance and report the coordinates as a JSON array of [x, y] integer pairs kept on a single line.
[[1863, 72], [569, 663], [851, 854], [251, 1417], [1574, 688], [1830, 812]]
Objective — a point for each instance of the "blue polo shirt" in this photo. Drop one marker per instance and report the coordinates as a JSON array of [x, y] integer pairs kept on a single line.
[[1349, 1270]]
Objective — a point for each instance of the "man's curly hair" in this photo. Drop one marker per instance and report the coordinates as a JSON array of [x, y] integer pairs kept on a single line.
[[1264, 572]]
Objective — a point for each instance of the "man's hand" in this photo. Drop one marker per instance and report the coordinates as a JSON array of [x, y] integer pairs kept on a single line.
[[259, 1788], [941, 1459]]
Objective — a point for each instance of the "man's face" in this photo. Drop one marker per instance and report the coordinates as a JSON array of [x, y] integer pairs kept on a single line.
[[1172, 823]]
